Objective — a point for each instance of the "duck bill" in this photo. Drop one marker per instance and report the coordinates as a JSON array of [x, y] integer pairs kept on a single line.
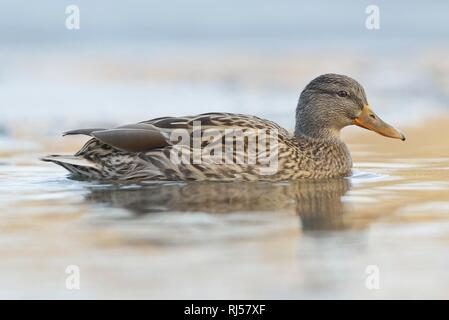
[[369, 120]]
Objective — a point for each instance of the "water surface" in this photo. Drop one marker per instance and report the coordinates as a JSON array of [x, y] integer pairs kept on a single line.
[[231, 240]]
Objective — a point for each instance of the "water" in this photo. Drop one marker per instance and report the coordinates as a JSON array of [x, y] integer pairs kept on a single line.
[[231, 240]]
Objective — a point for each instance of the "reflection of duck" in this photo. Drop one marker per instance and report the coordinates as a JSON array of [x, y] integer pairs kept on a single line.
[[318, 203], [146, 150]]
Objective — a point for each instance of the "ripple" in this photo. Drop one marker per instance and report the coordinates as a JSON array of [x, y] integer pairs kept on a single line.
[[430, 185], [364, 175], [433, 209], [387, 165]]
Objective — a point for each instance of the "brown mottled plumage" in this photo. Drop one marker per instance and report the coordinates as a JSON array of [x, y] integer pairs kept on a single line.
[[144, 151]]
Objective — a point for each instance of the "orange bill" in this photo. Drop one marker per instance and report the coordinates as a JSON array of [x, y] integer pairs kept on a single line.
[[369, 120]]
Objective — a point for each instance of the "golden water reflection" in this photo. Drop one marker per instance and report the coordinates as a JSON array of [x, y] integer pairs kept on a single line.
[[317, 204]]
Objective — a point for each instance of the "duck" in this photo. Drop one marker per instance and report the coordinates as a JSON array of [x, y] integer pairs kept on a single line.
[[220, 146]]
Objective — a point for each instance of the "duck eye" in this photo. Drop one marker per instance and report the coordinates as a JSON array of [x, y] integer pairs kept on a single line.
[[343, 94]]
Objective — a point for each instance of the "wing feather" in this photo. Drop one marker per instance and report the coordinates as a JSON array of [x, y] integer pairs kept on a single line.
[[155, 133]]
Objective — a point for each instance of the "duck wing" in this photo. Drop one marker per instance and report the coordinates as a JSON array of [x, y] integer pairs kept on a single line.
[[218, 120], [130, 138], [155, 133]]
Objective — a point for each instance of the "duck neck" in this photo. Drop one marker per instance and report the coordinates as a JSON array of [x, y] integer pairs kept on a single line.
[[311, 124], [329, 154], [316, 130]]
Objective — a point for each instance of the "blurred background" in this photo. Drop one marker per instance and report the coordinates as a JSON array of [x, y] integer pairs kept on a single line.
[[134, 60]]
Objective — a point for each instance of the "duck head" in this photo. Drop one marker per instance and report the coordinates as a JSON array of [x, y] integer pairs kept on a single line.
[[331, 102]]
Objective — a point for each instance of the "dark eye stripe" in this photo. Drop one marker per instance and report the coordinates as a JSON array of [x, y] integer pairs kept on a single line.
[[326, 91], [331, 92]]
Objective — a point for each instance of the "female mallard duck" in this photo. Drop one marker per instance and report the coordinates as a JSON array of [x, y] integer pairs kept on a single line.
[[153, 150]]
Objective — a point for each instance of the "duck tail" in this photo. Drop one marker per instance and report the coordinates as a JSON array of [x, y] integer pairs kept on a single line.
[[74, 164]]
